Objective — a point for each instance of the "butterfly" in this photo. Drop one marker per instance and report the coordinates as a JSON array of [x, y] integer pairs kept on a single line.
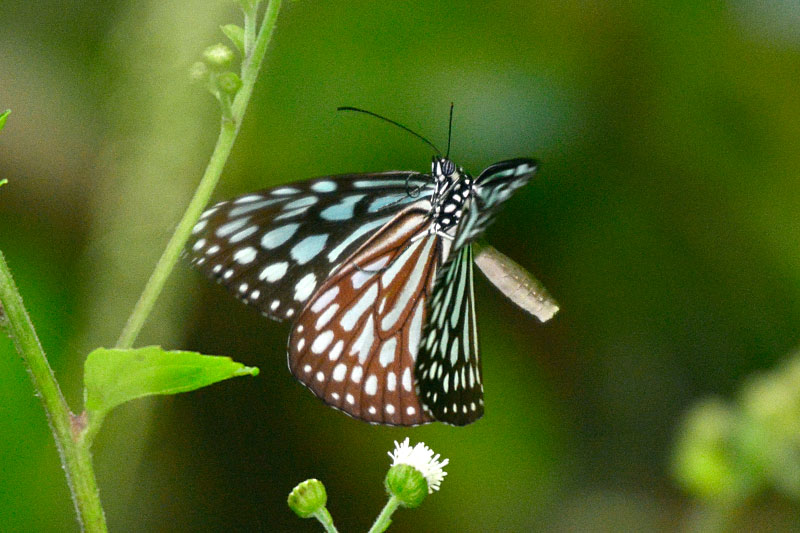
[[375, 273]]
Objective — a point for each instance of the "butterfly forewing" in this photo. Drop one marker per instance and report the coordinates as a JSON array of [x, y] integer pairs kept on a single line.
[[274, 248], [448, 366], [493, 187], [356, 341]]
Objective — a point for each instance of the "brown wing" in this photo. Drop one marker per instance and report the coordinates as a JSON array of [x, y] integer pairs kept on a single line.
[[356, 342]]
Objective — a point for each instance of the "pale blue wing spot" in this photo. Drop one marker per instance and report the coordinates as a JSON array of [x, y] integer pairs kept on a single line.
[[278, 236], [283, 191], [293, 213], [343, 210], [391, 200], [307, 249], [200, 226], [324, 186], [243, 234], [252, 206], [371, 184], [369, 226], [228, 228], [300, 202], [248, 198]]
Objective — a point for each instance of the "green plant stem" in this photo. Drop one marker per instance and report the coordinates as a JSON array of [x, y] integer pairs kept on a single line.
[[227, 135], [249, 30], [384, 519], [325, 518], [75, 456]]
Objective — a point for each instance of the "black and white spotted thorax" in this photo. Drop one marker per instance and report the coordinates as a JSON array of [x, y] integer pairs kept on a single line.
[[452, 191]]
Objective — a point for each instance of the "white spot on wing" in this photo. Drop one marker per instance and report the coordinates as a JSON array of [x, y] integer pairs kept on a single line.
[[274, 272], [371, 385], [363, 344], [325, 317], [245, 255], [326, 298], [339, 372], [388, 352], [336, 351], [354, 313], [322, 341], [305, 287]]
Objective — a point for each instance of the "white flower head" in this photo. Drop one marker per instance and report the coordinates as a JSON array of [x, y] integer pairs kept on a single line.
[[421, 458]]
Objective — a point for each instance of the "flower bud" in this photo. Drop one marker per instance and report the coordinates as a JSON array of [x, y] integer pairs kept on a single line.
[[198, 71], [407, 484], [218, 56], [307, 498], [229, 83]]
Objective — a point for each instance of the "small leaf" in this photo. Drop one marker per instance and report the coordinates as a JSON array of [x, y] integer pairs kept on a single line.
[[3, 182], [114, 376], [235, 34], [3, 118]]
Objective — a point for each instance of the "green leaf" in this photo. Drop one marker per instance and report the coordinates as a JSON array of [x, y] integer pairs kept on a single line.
[[3, 182], [3, 118], [235, 34], [116, 376]]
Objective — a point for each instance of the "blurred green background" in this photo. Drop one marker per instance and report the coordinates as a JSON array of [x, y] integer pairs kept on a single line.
[[664, 220]]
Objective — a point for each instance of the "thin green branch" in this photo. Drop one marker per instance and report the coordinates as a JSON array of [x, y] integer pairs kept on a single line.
[[75, 456], [324, 517], [227, 136], [384, 519]]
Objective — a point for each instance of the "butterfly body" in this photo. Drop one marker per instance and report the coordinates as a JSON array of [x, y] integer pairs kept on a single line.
[[375, 273]]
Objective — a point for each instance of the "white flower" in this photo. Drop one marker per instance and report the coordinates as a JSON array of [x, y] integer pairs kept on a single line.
[[422, 459]]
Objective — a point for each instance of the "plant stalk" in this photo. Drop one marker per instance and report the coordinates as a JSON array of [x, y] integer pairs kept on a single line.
[[66, 427], [229, 128], [384, 519]]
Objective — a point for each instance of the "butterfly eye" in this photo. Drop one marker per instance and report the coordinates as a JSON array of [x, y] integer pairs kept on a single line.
[[448, 167]]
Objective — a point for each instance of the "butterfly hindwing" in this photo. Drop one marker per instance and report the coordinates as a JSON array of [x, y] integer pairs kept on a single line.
[[448, 366], [355, 343], [274, 248]]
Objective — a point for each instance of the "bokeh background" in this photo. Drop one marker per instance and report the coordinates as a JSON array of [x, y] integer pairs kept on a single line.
[[664, 220]]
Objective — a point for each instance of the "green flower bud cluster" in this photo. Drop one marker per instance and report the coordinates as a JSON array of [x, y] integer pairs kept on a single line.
[[728, 452], [214, 71], [415, 472]]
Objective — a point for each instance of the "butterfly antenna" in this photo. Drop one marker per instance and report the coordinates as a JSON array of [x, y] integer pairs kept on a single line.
[[449, 131], [390, 121]]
